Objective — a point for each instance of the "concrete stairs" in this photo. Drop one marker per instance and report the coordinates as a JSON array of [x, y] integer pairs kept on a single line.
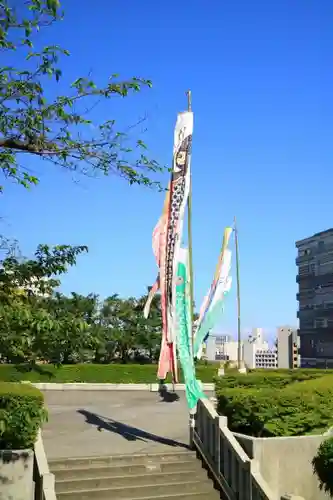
[[158, 476]]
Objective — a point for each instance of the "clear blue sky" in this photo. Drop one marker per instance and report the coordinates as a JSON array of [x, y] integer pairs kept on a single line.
[[261, 77]]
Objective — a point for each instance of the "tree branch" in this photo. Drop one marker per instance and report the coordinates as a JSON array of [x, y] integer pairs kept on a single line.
[[12, 143]]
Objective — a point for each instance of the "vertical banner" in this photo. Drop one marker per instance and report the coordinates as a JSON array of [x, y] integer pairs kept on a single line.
[[184, 330], [167, 238], [213, 302], [217, 305]]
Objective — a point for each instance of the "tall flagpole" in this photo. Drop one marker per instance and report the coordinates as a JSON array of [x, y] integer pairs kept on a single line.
[[239, 339], [190, 265], [189, 233]]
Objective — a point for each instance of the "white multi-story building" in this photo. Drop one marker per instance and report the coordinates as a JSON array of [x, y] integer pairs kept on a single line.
[[265, 358], [256, 352], [221, 347]]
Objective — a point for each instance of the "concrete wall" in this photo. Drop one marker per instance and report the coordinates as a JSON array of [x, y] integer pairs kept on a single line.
[[285, 463], [16, 475]]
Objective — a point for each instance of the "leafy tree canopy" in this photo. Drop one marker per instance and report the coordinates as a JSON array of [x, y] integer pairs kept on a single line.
[[38, 323], [29, 329], [57, 129]]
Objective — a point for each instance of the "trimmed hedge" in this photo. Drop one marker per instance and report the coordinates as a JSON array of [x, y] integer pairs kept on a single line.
[[268, 378], [293, 410], [113, 373], [22, 413], [147, 373]]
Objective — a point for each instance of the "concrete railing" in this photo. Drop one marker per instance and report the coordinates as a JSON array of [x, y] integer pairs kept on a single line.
[[237, 475], [44, 480]]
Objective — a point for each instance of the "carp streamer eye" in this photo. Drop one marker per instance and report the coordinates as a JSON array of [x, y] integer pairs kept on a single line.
[[181, 159], [180, 280]]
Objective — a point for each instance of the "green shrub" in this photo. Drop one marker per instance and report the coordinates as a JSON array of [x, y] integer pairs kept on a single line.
[[291, 371], [293, 410], [147, 373], [113, 373], [267, 378], [323, 466], [21, 414]]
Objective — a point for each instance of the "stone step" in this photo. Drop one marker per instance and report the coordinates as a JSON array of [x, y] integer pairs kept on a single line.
[[99, 461], [96, 471], [214, 495], [135, 492], [90, 483]]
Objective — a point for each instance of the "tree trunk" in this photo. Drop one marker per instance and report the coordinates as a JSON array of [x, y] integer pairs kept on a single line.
[[124, 355]]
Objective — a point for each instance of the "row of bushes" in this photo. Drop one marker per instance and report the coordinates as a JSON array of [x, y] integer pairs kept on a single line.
[[113, 373], [282, 403], [147, 373], [276, 379], [268, 406]]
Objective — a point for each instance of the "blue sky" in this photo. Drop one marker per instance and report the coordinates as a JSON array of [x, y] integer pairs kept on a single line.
[[261, 78]]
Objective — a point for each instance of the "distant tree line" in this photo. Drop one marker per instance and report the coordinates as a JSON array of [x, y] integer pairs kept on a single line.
[[40, 324]]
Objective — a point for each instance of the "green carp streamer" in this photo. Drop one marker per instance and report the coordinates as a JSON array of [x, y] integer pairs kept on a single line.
[[184, 323]]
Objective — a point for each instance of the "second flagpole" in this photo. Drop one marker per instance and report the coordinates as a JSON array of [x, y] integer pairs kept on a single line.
[[239, 338]]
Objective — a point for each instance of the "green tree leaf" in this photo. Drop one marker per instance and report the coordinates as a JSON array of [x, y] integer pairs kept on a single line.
[[57, 130]]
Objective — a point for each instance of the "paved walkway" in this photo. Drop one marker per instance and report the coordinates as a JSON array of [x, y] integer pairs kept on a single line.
[[108, 423]]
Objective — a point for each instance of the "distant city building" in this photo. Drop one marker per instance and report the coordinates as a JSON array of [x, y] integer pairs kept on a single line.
[[221, 348], [222, 339], [257, 335], [265, 358], [37, 287], [287, 344], [256, 352], [315, 297], [31, 286]]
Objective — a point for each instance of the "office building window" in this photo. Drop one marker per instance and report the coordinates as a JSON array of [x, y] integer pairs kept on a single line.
[[320, 323]]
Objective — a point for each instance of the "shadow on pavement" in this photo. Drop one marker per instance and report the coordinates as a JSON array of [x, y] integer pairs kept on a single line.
[[166, 396], [126, 431]]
